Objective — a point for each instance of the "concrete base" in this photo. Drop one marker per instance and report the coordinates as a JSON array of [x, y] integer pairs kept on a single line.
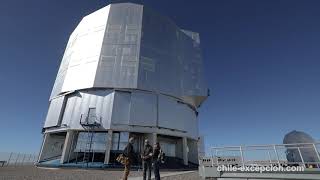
[[61, 146], [185, 150], [108, 147]]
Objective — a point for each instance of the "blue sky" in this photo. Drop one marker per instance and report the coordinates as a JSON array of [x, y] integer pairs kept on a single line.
[[261, 61]]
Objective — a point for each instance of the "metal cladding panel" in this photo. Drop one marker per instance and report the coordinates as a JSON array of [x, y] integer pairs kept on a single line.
[[82, 54], [143, 110], [175, 115], [170, 59], [54, 112], [78, 105], [107, 109], [71, 106], [134, 108], [86, 51], [118, 66], [60, 77], [57, 87], [121, 108]]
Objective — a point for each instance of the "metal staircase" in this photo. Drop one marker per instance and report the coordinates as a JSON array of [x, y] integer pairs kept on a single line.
[[89, 123]]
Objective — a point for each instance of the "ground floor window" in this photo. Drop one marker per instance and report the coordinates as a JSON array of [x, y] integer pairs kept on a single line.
[[168, 148], [98, 143], [119, 140]]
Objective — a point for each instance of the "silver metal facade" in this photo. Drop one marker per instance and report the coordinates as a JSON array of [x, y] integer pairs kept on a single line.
[[137, 70], [170, 59]]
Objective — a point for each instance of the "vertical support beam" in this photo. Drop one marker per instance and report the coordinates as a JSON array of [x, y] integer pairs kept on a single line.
[[9, 159], [304, 165], [217, 158], [276, 152], [30, 159], [66, 147], [270, 159], [213, 155], [24, 156], [185, 150], [241, 154], [34, 158], [17, 159], [72, 146], [316, 151], [154, 138], [108, 147]]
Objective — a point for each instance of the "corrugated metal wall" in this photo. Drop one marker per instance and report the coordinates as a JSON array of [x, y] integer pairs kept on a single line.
[[136, 108], [79, 103], [55, 112]]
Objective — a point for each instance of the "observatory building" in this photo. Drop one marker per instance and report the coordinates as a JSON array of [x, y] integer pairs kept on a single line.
[[126, 71], [306, 147]]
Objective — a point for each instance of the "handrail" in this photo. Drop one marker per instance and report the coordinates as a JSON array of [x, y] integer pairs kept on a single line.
[[265, 145], [86, 122], [302, 154]]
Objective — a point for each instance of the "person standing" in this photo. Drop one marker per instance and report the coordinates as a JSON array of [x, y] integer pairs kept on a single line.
[[129, 154], [157, 159], [147, 160]]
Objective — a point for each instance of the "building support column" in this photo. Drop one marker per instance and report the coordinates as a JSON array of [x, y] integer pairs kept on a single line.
[[154, 138], [67, 146], [108, 147], [185, 150], [44, 143]]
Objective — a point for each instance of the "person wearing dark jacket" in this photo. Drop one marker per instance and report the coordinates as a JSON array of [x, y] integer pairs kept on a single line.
[[157, 153], [128, 152], [147, 160]]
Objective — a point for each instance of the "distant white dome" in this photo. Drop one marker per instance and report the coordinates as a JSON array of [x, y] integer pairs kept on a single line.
[[297, 137], [308, 152]]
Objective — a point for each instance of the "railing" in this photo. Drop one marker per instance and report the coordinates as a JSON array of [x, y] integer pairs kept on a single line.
[[90, 120], [17, 159], [299, 154]]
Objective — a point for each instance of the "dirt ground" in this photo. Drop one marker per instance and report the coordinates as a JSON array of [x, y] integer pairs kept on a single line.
[[34, 173]]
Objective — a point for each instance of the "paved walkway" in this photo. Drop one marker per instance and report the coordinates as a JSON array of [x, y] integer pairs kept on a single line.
[[167, 174]]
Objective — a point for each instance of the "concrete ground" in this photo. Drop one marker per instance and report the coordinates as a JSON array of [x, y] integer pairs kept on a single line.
[[33, 173]]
